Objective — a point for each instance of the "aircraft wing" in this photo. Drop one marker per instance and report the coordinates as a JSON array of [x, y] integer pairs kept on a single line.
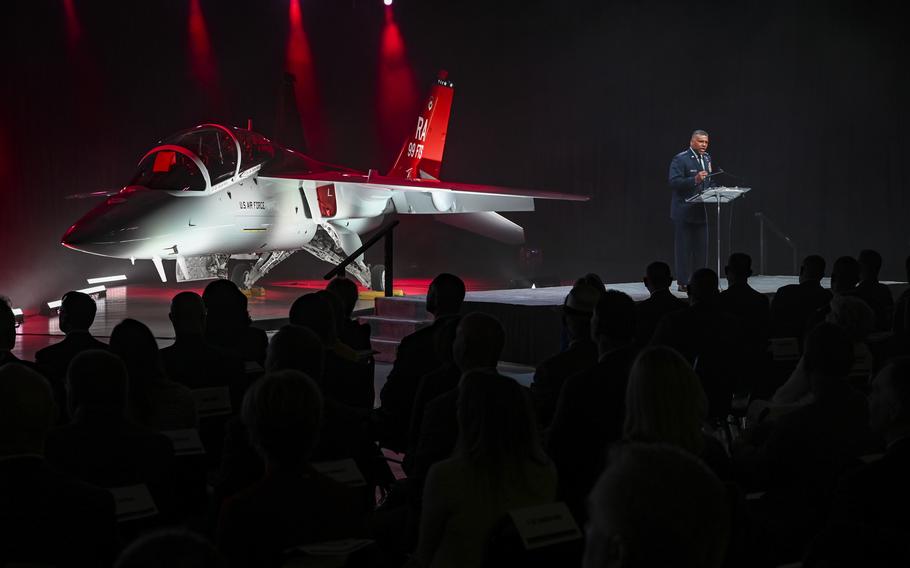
[[432, 196]]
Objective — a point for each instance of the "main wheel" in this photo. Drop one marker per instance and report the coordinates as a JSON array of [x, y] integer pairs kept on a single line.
[[377, 277], [239, 273]]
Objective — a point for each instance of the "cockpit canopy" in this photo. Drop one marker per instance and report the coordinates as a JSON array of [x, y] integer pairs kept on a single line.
[[201, 158]]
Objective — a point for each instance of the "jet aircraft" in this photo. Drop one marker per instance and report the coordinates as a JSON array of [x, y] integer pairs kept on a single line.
[[229, 203]]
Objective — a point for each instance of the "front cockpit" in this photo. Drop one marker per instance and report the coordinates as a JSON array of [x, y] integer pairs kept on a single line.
[[203, 159]]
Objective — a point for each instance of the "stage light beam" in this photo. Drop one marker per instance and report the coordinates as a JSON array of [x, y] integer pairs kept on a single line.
[[397, 93], [300, 64]]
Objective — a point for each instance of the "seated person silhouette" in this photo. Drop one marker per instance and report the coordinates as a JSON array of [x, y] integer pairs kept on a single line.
[[799, 462], [77, 313], [191, 360], [666, 404], [710, 339], [661, 301], [345, 378], [590, 411], [479, 340], [228, 324], [292, 504], [857, 320], [499, 465], [794, 303], [873, 292], [155, 401], [350, 331], [46, 517], [100, 445], [743, 301], [414, 359], [845, 276], [8, 336], [877, 495], [580, 354], [657, 505]]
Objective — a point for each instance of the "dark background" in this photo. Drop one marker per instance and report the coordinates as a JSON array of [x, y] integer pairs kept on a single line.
[[806, 101]]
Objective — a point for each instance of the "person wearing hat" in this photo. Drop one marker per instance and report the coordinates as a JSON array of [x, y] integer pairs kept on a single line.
[[580, 354]]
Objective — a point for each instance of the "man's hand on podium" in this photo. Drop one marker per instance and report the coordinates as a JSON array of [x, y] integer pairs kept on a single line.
[[700, 177]]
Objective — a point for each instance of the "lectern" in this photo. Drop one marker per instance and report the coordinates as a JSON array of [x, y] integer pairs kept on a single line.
[[718, 195]]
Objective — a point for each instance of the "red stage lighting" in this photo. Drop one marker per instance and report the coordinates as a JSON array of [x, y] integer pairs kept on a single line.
[[397, 96], [73, 28], [300, 64], [201, 57]]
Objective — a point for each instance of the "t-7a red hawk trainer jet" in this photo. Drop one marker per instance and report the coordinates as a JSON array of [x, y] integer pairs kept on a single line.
[[228, 202]]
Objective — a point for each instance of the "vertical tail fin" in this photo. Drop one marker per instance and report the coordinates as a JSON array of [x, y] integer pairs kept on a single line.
[[421, 155]]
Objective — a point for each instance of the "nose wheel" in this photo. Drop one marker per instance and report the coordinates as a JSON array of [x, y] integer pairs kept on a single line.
[[239, 273]]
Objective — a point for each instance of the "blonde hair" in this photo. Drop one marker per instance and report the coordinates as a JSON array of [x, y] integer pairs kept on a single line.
[[853, 315], [665, 401]]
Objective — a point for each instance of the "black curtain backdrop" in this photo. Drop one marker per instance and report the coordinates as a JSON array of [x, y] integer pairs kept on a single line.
[[805, 101]]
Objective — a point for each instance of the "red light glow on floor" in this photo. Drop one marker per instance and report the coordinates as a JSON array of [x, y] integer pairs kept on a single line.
[[410, 286]]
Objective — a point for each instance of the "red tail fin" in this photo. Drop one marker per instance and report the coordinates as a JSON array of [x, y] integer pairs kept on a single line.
[[421, 154]]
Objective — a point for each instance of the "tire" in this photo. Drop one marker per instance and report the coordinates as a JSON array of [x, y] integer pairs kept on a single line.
[[377, 277], [239, 272]]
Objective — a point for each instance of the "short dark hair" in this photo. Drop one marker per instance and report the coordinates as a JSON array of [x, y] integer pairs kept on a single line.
[[7, 325], [845, 273], [740, 265], [482, 338], [296, 347], [870, 261], [446, 293], [659, 274], [704, 284], [615, 312], [346, 290], [698, 132], [814, 267], [97, 379], [79, 309], [314, 311]]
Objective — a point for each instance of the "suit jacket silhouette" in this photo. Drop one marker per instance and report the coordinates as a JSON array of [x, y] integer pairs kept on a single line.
[[649, 312], [793, 305], [431, 386], [589, 417], [683, 169], [552, 373], [195, 363], [49, 518], [415, 358], [752, 308], [879, 298], [711, 340], [54, 360]]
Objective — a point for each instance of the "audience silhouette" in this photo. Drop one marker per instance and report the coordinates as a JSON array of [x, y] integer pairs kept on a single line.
[[637, 425]]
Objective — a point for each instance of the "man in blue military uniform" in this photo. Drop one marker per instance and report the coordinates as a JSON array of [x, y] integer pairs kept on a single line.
[[689, 172]]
